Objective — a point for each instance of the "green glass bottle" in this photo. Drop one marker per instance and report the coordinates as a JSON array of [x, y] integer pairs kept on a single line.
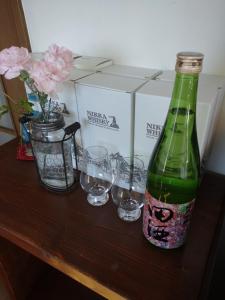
[[174, 169]]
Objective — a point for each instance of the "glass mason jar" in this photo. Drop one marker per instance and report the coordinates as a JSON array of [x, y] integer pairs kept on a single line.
[[51, 144]]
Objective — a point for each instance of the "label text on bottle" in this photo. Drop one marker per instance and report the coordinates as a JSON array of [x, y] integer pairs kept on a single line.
[[165, 225]]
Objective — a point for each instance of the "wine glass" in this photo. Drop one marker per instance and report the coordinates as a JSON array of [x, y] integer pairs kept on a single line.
[[96, 177], [129, 187]]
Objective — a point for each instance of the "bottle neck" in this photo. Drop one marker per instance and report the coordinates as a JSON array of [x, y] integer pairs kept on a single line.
[[185, 91]]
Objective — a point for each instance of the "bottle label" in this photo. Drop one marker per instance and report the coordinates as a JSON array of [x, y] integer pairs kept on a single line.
[[165, 225]]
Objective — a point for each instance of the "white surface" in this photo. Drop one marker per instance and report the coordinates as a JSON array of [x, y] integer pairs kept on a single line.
[[144, 33], [216, 80], [91, 63], [112, 82], [130, 71], [106, 111], [78, 74]]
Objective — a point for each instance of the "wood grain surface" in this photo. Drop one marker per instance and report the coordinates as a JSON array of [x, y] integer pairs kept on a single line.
[[94, 247]]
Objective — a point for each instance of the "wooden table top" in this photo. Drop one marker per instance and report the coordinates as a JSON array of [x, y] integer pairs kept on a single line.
[[93, 246]]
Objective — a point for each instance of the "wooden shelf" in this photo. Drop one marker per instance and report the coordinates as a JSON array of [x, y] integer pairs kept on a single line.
[[54, 285], [24, 277], [94, 247]]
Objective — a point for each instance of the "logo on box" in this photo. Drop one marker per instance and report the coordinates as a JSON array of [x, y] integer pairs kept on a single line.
[[99, 119], [153, 131]]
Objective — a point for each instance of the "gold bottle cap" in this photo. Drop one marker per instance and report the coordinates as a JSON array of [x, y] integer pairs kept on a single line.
[[189, 62]]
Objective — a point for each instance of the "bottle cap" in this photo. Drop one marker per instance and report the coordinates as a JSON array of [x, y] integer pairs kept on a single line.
[[189, 62]]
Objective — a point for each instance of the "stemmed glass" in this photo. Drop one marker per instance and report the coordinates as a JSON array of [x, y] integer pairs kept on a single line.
[[128, 189], [96, 177]]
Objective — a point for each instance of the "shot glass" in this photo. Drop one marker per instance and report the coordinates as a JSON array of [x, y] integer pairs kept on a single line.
[[96, 177], [128, 189]]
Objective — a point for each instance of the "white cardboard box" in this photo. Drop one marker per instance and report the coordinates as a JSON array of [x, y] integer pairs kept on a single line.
[[213, 80], [91, 63], [151, 107], [106, 111], [130, 71]]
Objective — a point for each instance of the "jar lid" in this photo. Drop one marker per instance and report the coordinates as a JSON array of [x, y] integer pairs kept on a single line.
[[189, 62], [55, 122]]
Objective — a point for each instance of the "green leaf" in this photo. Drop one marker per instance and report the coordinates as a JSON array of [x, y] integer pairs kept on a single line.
[[23, 106], [24, 75]]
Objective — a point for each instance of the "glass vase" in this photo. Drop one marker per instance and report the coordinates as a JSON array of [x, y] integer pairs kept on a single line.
[[52, 149]]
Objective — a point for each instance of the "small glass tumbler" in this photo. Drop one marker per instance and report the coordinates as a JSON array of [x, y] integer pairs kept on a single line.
[[128, 189], [96, 177]]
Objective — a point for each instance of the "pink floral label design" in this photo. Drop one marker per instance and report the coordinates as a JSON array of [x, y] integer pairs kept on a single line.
[[165, 225]]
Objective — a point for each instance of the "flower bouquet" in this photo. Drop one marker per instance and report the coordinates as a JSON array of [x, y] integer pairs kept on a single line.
[[43, 78]]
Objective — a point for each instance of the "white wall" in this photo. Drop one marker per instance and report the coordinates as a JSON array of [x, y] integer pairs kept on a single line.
[[145, 33]]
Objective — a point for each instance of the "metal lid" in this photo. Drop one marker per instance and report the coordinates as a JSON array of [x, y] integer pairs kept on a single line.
[[55, 122], [189, 62]]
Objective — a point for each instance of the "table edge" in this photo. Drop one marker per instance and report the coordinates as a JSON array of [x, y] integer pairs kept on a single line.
[[63, 267]]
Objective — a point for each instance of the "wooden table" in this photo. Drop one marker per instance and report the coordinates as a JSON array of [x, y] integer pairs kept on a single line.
[[94, 247]]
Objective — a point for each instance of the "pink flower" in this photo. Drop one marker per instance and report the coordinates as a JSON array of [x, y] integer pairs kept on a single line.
[[54, 68], [43, 81], [13, 60], [59, 62]]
